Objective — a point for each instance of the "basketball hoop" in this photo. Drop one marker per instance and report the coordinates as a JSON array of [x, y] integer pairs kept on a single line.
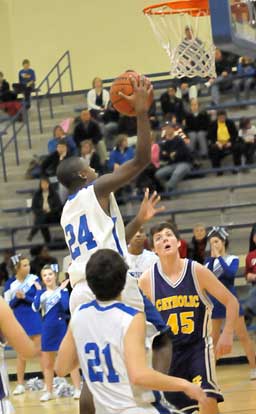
[[184, 31]]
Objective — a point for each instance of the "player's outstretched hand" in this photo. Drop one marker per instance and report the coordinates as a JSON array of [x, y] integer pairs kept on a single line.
[[224, 345], [142, 88], [148, 208], [195, 392]]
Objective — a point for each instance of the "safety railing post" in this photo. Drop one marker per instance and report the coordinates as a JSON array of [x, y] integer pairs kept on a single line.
[[60, 85], [3, 157], [15, 143]]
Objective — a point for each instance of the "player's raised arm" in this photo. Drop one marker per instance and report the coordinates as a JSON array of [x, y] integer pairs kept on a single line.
[[211, 284], [108, 183]]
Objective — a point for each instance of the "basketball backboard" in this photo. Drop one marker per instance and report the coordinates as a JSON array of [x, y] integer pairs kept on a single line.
[[234, 26]]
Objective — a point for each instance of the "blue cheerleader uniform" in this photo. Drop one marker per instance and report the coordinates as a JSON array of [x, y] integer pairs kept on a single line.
[[54, 306], [225, 269], [29, 320]]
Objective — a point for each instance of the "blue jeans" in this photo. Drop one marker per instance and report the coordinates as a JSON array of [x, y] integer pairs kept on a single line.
[[170, 175]]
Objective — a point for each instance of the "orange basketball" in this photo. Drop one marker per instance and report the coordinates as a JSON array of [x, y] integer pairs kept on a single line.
[[123, 84]]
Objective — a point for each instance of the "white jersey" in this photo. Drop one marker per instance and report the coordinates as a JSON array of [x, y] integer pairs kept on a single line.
[[138, 264], [99, 329], [88, 228]]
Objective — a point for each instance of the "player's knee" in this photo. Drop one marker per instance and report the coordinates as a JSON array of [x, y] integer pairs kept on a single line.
[[209, 407]]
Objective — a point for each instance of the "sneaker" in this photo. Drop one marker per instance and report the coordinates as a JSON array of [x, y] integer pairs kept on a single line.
[[47, 396], [253, 374], [77, 393], [20, 389]]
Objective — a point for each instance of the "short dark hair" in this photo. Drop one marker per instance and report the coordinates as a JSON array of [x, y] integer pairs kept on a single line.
[[106, 274], [172, 86], [221, 112], [68, 172], [25, 62], [62, 141], [161, 226]]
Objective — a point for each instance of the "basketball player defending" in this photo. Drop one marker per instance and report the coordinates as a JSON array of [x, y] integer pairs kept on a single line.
[[91, 218], [178, 288], [107, 338]]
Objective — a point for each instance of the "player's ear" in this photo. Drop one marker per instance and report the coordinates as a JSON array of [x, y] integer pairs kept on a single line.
[[179, 243], [82, 175]]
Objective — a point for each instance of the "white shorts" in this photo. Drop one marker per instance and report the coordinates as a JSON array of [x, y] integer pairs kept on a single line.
[[131, 295]]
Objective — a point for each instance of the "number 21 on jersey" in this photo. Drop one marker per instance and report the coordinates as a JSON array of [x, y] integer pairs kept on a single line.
[[84, 236]]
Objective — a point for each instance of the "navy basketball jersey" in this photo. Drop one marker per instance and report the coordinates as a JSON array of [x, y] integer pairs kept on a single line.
[[183, 306]]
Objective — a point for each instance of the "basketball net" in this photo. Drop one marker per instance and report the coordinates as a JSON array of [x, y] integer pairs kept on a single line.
[[185, 34]]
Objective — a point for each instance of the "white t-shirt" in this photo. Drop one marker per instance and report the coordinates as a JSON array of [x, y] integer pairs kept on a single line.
[[138, 264]]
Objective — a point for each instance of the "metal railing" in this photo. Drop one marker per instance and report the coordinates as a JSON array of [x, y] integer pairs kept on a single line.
[[57, 72], [16, 124]]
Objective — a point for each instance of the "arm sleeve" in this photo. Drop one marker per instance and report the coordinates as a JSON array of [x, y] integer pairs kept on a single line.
[[36, 305], [229, 269], [209, 261], [64, 299], [14, 302], [29, 296], [105, 98]]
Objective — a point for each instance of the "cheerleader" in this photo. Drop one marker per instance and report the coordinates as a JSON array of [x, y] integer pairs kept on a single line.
[[225, 267], [16, 337], [20, 297], [53, 301]]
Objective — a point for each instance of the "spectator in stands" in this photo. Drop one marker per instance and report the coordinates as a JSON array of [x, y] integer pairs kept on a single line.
[[179, 131], [59, 134], [147, 179], [252, 242], [170, 104], [50, 163], [97, 99], [196, 126], [6, 267], [5, 93], [87, 152], [110, 119], [224, 62], [121, 153], [127, 125], [197, 247], [250, 274], [154, 122], [88, 128], [223, 138], [41, 257], [247, 134], [46, 206], [245, 68], [27, 79], [177, 156], [225, 267]]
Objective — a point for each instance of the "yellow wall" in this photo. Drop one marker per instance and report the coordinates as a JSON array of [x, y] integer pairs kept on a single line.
[[104, 37]]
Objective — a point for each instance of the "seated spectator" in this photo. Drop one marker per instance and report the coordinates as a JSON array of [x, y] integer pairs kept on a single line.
[[87, 152], [176, 154], [127, 125], [41, 257], [223, 138], [46, 206], [252, 242], [179, 131], [247, 134], [245, 68], [197, 124], [224, 62], [97, 99], [5, 94], [250, 274], [110, 119], [121, 153], [27, 79], [197, 247], [50, 163], [147, 179], [154, 122], [170, 104], [88, 128], [59, 134], [6, 267]]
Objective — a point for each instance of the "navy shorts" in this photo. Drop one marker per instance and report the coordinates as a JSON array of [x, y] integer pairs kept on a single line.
[[195, 363]]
